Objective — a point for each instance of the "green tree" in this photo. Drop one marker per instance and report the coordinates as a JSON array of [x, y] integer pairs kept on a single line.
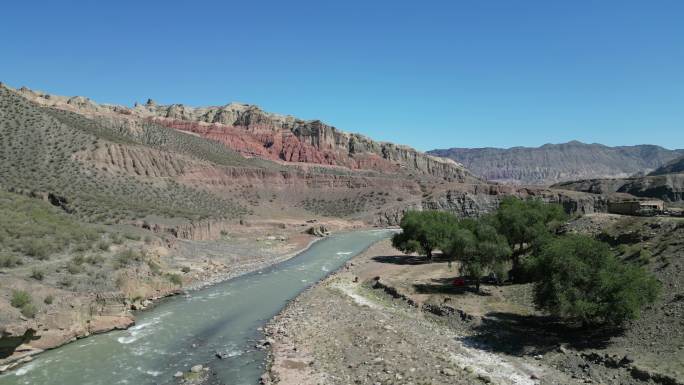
[[478, 247], [579, 278], [461, 244], [526, 224], [424, 231]]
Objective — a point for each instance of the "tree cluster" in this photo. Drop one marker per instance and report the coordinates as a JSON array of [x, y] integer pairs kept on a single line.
[[575, 276]]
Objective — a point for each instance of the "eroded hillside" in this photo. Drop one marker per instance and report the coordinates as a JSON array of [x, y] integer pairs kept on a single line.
[[171, 165]]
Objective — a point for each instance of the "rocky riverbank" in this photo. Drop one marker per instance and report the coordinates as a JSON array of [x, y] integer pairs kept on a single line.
[[345, 331], [387, 318]]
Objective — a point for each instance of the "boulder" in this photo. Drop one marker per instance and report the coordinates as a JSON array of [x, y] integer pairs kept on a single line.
[[318, 231]]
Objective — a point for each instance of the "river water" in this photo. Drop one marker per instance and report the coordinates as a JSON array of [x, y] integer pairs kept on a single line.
[[187, 330]]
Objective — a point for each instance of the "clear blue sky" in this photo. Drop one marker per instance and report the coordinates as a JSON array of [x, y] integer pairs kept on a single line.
[[428, 74]]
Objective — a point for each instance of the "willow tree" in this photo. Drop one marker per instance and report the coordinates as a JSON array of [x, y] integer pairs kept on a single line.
[[424, 231]]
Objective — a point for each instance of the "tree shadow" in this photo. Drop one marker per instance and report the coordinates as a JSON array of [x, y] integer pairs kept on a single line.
[[403, 259], [529, 335], [446, 286]]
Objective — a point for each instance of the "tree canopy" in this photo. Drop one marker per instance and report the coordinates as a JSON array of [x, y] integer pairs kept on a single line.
[[578, 277], [478, 247], [424, 231], [526, 223]]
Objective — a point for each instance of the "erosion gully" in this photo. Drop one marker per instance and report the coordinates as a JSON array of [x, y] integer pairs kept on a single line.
[[191, 329]]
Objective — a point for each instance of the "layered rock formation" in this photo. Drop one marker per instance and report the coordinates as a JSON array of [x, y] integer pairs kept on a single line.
[[476, 200], [668, 187], [553, 163], [253, 132], [666, 183]]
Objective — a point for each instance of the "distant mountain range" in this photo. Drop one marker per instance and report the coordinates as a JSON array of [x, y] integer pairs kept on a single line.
[[554, 163]]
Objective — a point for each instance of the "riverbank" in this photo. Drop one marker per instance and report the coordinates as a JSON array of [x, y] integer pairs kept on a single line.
[[386, 318], [74, 315], [346, 329], [216, 327], [389, 318]]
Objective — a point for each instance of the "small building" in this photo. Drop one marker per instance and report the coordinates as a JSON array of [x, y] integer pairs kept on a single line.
[[636, 207]]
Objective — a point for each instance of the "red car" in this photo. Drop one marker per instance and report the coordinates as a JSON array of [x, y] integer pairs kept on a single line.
[[458, 282]]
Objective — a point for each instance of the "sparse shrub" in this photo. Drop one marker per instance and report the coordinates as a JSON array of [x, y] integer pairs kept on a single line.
[[117, 239], [645, 256], [78, 259], [175, 279], [95, 260], [81, 247], [185, 269], [133, 237], [66, 281], [103, 245], [9, 260], [148, 239], [127, 257], [20, 298], [29, 310], [74, 268], [623, 248], [37, 274], [35, 248], [49, 299], [154, 267]]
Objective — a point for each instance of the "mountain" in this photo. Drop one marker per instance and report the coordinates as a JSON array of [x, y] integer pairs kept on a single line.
[[553, 163], [674, 166], [252, 132], [185, 170], [172, 166]]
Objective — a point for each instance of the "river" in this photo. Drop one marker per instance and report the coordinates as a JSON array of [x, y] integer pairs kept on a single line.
[[186, 330]]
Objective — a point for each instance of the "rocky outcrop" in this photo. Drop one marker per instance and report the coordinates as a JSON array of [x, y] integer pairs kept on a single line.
[[668, 187], [481, 200], [13, 336], [318, 231], [255, 133], [203, 230], [92, 314], [553, 163], [476, 200]]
